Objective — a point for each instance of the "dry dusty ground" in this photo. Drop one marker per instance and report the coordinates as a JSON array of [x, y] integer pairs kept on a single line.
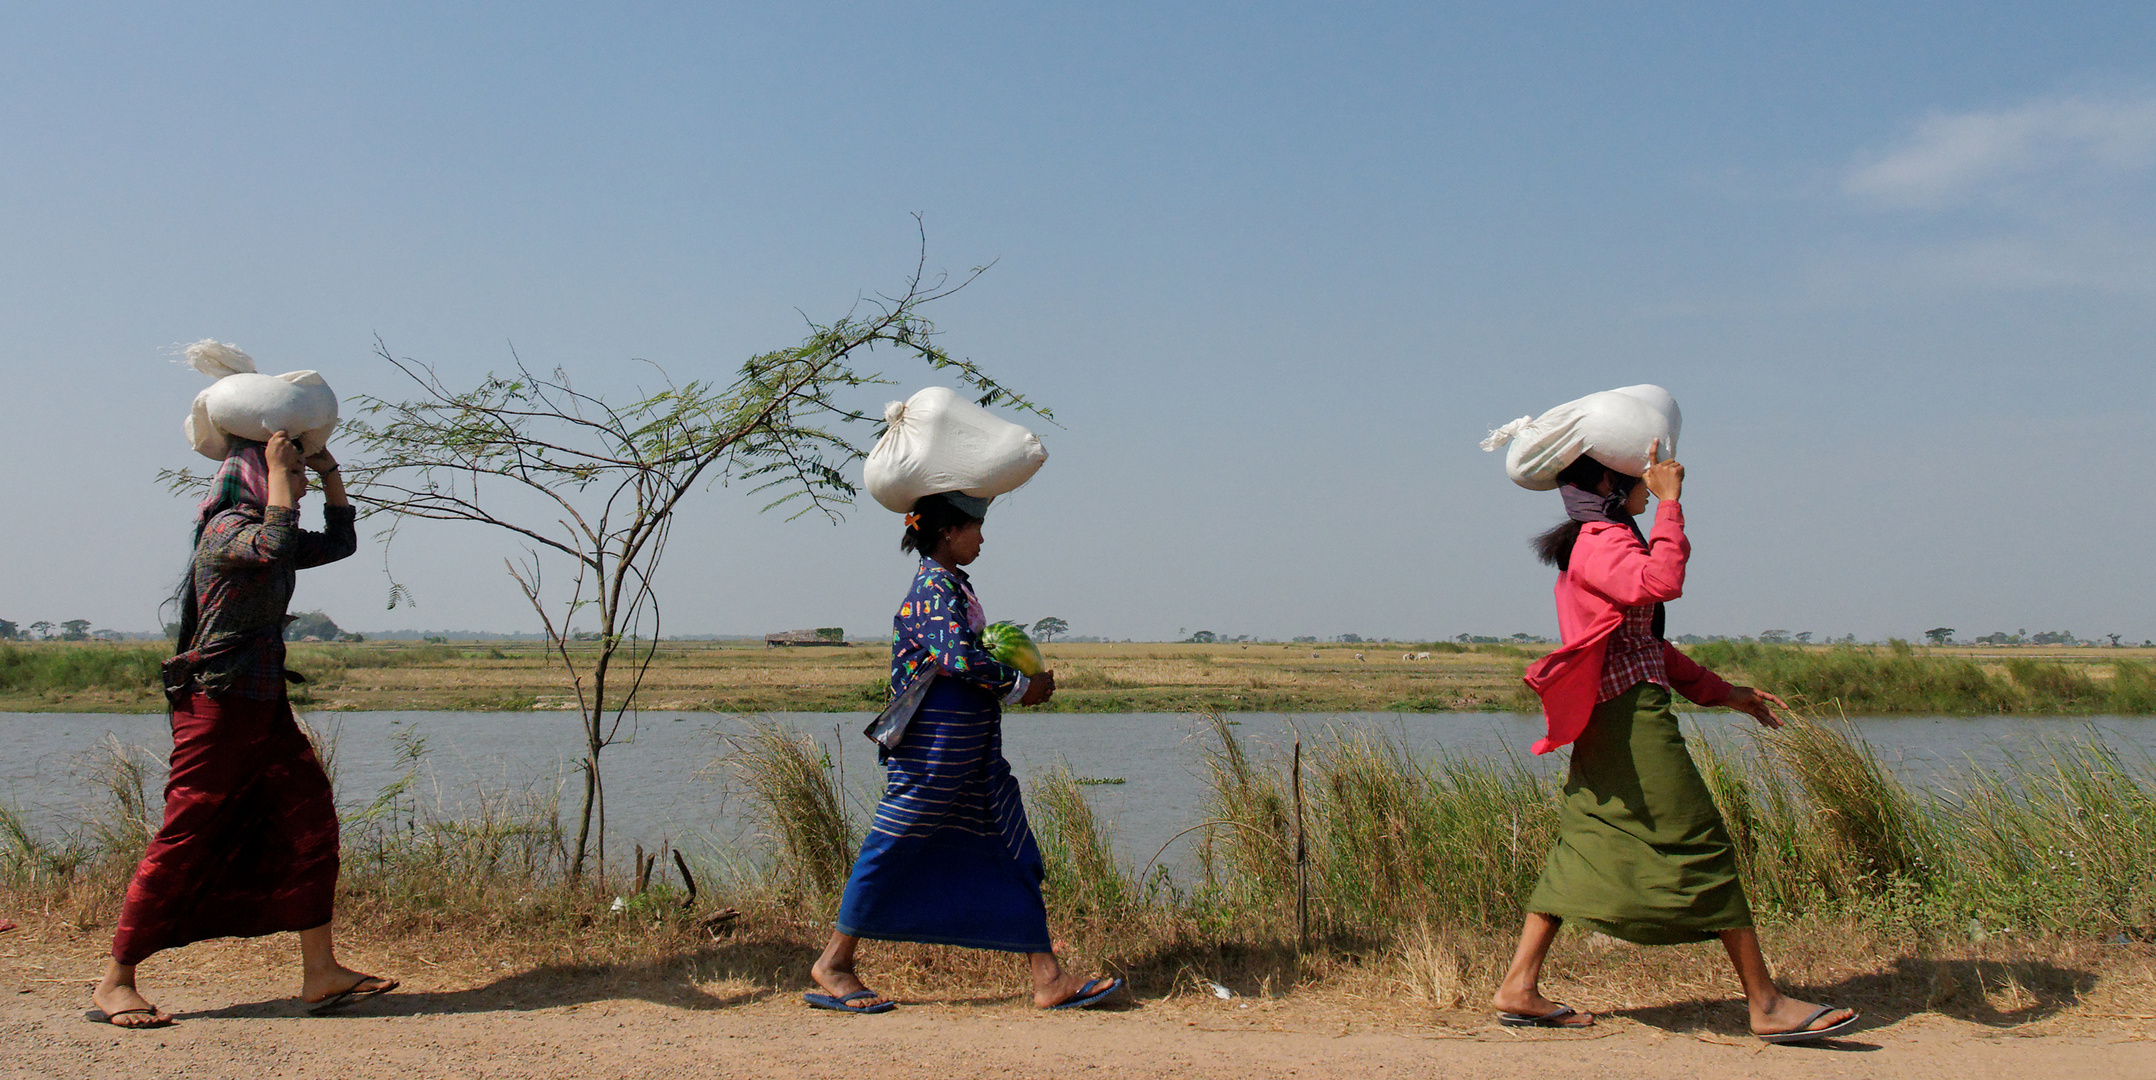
[[684, 1018]]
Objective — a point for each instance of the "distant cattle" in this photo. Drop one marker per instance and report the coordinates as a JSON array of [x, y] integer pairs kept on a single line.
[[1414, 656]]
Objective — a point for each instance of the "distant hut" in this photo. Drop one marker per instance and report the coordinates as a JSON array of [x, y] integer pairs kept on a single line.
[[821, 636]]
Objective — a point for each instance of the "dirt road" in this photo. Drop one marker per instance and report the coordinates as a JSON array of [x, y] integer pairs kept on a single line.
[[236, 1018]]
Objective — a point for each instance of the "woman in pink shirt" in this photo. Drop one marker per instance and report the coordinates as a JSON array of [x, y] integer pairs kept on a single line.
[[1642, 853]]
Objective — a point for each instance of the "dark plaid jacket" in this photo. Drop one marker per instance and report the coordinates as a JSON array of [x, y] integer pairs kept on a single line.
[[243, 573]]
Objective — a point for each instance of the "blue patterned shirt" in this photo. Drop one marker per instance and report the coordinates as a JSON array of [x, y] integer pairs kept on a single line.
[[939, 625]]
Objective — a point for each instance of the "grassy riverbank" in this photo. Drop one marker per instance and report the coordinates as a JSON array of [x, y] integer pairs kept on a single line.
[[1899, 678], [1143, 677], [2015, 894]]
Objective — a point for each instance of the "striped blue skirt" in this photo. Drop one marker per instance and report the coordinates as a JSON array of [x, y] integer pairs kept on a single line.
[[949, 859]]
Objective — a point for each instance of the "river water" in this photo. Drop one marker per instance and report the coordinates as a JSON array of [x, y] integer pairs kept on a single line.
[[667, 782]]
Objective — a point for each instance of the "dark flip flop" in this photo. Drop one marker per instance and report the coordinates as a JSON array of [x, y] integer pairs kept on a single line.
[[353, 993], [1555, 1018], [1803, 1032], [1087, 996], [99, 1016], [840, 1004]]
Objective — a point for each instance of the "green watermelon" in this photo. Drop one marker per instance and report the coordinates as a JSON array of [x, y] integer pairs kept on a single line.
[[1007, 642]]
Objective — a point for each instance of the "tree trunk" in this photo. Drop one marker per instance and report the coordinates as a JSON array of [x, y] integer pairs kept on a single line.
[[594, 741], [583, 826]]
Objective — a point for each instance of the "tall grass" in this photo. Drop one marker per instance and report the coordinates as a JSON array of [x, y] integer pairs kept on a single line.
[[128, 820], [2062, 841], [1085, 880], [497, 857], [1900, 679], [1818, 824], [795, 799], [84, 869], [2062, 844], [64, 668], [1250, 830], [1874, 829], [1398, 838], [32, 862]]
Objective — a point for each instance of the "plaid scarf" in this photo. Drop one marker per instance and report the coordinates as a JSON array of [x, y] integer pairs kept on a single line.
[[243, 478]]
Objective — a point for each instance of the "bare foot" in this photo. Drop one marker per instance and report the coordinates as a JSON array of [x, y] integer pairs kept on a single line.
[[1532, 1003], [1787, 1013], [318, 987], [839, 982], [1066, 987], [120, 1002]]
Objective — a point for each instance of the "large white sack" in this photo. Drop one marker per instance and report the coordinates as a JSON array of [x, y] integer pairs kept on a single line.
[[250, 405], [1619, 428], [937, 441]]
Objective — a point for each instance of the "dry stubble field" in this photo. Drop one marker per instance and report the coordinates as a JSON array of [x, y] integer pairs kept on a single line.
[[747, 677]]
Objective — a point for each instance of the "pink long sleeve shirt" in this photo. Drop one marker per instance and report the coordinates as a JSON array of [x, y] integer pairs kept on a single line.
[[1608, 573]]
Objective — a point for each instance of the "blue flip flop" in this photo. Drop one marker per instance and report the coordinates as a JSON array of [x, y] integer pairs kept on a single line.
[[1087, 996], [839, 1004]]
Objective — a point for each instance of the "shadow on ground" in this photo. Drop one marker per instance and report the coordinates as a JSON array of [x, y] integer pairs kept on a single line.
[[1995, 993], [771, 968]]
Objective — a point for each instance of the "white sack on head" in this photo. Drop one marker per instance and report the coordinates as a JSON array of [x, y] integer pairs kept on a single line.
[[250, 405], [1619, 428], [937, 441]]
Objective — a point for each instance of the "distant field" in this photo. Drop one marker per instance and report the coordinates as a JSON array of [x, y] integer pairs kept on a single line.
[[748, 677]]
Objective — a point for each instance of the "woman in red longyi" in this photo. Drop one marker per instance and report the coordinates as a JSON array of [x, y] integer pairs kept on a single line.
[[249, 843]]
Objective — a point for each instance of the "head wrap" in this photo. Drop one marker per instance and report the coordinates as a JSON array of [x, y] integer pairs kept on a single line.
[[242, 479], [973, 506], [1588, 505]]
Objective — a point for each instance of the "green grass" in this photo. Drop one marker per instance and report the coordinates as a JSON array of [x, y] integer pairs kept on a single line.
[[61, 668], [66, 667], [1084, 877], [795, 800], [393, 656], [1447, 837], [2061, 844], [1899, 679]]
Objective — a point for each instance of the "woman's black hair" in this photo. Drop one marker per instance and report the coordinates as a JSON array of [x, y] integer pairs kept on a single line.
[[190, 613], [935, 517], [1554, 546]]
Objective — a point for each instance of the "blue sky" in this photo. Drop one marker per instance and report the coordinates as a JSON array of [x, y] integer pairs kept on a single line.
[[1277, 268]]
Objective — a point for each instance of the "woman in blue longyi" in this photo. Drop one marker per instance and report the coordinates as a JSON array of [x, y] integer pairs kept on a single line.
[[949, 859]]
